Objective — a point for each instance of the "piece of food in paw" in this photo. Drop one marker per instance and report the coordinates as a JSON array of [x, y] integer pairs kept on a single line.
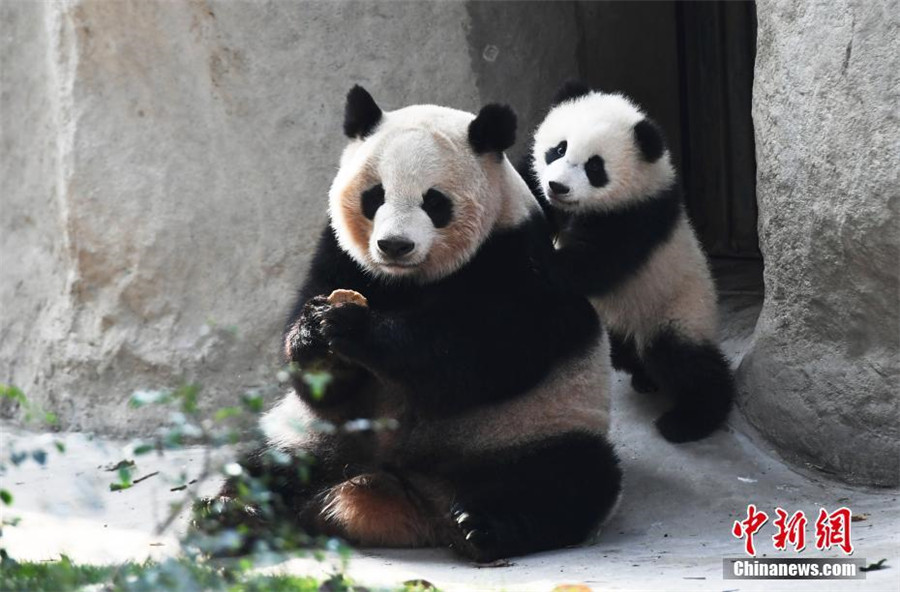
[[347, 296]]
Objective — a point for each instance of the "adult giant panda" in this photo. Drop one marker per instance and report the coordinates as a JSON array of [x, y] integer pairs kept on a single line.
[[624, 239], [494, 371]]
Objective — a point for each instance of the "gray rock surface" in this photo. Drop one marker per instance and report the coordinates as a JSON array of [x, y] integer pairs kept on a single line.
[[165, 170], [821, 380]]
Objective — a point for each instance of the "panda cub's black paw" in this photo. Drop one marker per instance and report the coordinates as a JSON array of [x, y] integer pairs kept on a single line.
[[681, 425]]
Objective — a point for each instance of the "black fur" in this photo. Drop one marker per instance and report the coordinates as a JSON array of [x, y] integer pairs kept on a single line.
[[595, 169], [624, 355], [488, 329], [555, 153], [371, 200], [493, 130], [698, 377], [546, 495], [570, 89], [361, 113], [600, 250], [438, 207], [649, 139]]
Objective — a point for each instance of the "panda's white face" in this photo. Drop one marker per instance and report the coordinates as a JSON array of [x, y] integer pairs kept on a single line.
[[587, 158], [412, 199]]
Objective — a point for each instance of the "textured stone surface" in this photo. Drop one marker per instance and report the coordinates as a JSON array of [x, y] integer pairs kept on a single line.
[[165, 170], [821, 380]]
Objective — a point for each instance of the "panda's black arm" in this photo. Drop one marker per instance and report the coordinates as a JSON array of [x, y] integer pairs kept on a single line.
[[304, 345], [468, 354], [602, 250]]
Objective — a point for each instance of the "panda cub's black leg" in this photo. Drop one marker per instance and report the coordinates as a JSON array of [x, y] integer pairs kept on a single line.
[[624, 355], [537, 497], [698, 377]]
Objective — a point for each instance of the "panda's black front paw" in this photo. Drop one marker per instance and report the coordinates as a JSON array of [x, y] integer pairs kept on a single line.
[[345, 327], [477, 536], [304, 341]]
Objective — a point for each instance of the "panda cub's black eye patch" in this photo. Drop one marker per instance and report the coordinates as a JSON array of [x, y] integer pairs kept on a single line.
[[372, 199], [556, 152], [595, 169], [438, 207]]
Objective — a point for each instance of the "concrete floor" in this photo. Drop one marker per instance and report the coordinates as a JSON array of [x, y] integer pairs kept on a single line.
[[671, 531]]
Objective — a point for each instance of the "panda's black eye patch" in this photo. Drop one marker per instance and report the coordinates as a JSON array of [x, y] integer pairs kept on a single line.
[[556, 152], [595, 170], [438, 207], [372, 199]]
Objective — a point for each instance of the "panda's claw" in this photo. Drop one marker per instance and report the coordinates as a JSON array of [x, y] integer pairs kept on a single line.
[[477, 537]]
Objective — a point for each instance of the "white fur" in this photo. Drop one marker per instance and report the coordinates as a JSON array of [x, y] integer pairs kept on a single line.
[[411, 151], [573, 398], [674, 288], [597, 124]]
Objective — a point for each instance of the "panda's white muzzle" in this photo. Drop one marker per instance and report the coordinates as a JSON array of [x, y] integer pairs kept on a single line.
[[402, 236]]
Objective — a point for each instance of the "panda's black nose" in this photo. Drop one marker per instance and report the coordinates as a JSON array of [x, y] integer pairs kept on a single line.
[[395, 247], [558, 188]]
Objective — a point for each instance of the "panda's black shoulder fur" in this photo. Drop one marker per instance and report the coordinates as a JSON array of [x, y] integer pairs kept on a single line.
[[604, 248], [489, 331]]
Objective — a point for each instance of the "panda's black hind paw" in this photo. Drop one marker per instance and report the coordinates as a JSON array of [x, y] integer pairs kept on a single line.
[[475, 535]]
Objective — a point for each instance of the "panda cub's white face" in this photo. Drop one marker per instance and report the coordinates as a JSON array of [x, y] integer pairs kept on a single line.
[[587, 155], [418, 191]]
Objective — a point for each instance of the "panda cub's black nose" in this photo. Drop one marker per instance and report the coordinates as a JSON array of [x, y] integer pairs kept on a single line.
[[558, 188], [395, 247]]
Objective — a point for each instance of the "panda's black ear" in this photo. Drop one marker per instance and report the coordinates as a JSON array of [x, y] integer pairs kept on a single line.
[[649, 139], [493, 130], [571, 89], [361, 114]]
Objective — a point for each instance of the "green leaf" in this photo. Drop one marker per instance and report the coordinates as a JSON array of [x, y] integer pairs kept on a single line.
[[51, 418], [143, 449], [9, 391], [226, 412], [124, 471], [60, 446], [188, 395], [253, 401], [317, 382], [6, 497]]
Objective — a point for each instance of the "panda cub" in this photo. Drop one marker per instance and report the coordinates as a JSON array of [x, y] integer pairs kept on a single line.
[[624, 240], [491, 367]]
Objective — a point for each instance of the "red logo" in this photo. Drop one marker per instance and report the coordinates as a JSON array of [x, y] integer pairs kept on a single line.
[[832, 530], [791, 530], [749, 527]]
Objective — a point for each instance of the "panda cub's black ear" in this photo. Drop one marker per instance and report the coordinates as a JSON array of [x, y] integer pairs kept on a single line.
[[649, 139], [493, 130], [361, 114], [570, 89]]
